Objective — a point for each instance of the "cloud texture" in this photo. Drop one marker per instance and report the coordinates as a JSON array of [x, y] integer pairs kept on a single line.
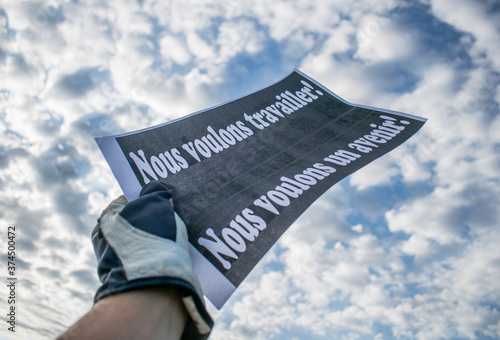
[[406, 248]]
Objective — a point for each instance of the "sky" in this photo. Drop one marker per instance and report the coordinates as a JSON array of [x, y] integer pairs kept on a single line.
[[405, 248]]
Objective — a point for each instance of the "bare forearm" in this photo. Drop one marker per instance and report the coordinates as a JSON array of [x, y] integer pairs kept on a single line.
[[142, 314], [142, 246]]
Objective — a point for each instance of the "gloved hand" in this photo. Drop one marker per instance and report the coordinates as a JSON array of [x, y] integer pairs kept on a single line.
[[144, 244]]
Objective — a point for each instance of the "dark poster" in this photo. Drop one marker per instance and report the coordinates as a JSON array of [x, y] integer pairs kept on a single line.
[[244, 171]]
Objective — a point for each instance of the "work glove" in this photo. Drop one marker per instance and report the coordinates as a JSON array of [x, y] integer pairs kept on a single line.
[[144, 244]]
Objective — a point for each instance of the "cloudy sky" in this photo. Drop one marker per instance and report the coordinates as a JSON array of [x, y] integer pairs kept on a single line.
[[406, 248]]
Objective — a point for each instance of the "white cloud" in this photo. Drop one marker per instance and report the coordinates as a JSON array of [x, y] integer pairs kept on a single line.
[[478, 19], [202, 49], [416, 245], [381, 172], [379, 40], [238, 37], [176, 49]]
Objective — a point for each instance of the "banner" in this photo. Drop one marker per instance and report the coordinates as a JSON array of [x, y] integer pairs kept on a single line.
[[245, 170]]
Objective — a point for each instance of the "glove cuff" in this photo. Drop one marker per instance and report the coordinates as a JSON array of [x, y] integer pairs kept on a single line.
[[200, 323]]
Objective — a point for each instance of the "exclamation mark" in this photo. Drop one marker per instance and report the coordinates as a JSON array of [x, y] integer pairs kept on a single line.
[[309, 86]]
